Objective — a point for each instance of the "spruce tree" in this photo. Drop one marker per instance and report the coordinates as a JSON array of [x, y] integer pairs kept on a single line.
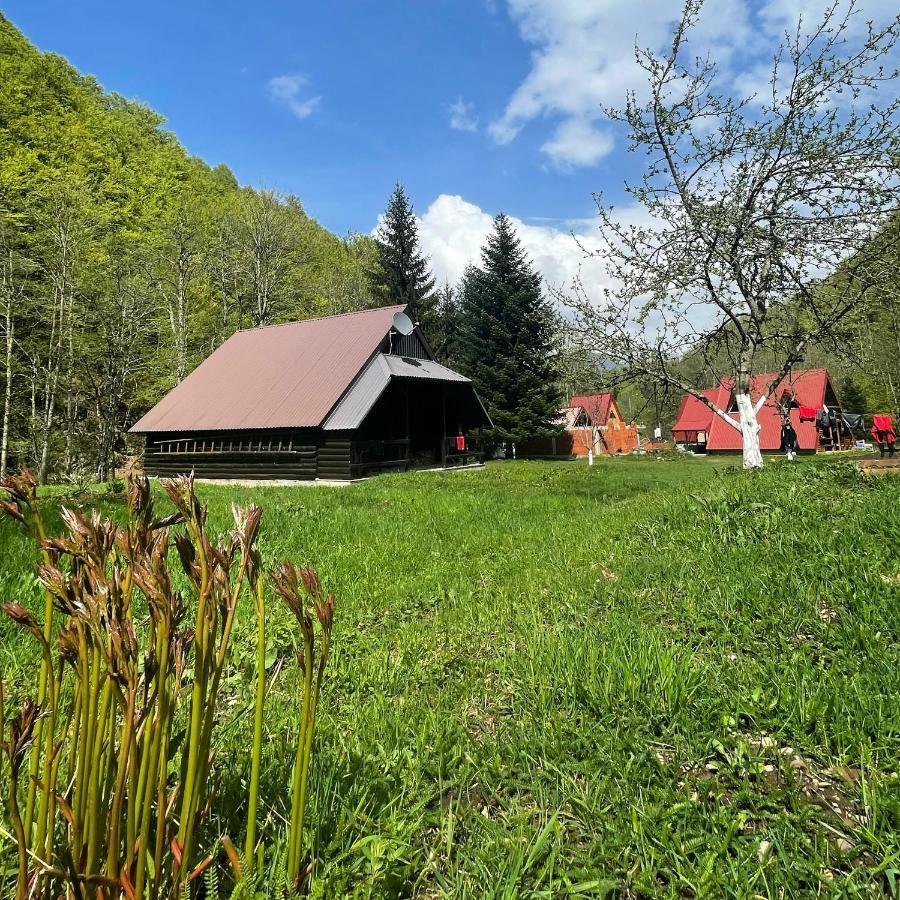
[[445, 339], [506, 341], [405, 276]]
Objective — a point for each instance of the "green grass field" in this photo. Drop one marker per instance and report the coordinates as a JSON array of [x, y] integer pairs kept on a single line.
[[649, 678]]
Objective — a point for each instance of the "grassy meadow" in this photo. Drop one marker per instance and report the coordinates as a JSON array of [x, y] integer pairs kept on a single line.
[[649, 678]]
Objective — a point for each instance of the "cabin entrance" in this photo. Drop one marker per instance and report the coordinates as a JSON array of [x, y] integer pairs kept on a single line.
[[417, 424]]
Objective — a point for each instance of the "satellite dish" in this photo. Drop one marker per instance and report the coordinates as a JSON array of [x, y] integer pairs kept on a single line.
[[403, 324]]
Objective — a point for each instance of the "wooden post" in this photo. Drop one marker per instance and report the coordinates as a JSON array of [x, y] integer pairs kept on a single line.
[[444, 425]]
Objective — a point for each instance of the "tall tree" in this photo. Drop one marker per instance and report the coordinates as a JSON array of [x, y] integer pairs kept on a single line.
[[748, 202], [852, 397], [405, 276], [175, 264], [445, 335], [265, 236], [506, 341]]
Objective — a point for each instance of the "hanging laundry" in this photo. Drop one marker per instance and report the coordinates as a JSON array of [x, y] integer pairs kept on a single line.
[[807, 413], [883, 433]]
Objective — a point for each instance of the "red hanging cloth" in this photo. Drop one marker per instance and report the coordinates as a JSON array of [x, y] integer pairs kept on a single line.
[[883, 428], [807, 413], [460, 443]]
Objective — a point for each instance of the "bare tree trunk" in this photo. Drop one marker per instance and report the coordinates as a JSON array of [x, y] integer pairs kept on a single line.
[[71, 398], [7, 393], [65, 230]]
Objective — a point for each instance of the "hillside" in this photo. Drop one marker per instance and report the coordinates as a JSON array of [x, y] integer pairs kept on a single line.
[[125, 260]]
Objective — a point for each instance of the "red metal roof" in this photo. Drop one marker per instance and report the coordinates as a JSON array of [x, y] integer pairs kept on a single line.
[[693, 414], [280, 376], [595, 406], [809, 388]]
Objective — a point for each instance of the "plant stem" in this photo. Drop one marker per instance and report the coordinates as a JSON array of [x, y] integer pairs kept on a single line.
[[45, 810], [34, 763], [149, 786], [256, 752], [115, 811], [295, 838], [96, 776], [198, 702], [21, 838]]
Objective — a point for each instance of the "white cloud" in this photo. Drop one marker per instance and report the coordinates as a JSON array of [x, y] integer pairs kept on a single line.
[[288, 89], [583, 59], [452, 232], [462, 117], [577, 142]]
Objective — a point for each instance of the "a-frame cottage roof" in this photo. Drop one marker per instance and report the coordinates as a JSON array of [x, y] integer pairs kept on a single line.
[[694, 415], [288, 376], [811, 387], [596, 406]]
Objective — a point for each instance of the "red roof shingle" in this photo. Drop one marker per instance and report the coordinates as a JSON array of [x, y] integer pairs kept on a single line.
[[595, 406]]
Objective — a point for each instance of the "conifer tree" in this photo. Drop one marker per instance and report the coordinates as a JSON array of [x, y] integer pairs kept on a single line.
[[405, 276], [507, 338], [445, 340]]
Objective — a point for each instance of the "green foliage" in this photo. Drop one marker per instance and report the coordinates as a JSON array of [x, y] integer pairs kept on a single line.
[[129, 261], [852, 397], [405, 276], [123, 728], [445, 336], [508, 337]]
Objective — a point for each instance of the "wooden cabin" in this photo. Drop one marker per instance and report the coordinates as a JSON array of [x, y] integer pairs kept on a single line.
[[588, 421], [596, 421], [699, 429], [332, 398]]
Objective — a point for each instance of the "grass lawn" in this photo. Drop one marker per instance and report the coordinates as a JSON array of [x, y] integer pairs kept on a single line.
[[649, 678]]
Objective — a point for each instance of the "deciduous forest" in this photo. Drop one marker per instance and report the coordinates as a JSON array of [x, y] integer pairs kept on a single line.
[[124, 261]]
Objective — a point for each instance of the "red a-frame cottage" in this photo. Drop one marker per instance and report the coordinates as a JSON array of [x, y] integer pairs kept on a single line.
[[698, 428]]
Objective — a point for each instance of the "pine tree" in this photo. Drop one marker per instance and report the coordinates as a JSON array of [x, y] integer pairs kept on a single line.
[[445, 339], [507, 338], [405, 276]]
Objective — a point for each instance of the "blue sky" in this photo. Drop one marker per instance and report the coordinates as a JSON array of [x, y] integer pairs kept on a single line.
[[478, 106], [386, 73]]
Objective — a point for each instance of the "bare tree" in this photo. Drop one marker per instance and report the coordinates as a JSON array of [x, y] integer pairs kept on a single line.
[[224, 264], [265, 236], [749, 204], [120, 322], [65, 228], [12, 294], [175, 265]]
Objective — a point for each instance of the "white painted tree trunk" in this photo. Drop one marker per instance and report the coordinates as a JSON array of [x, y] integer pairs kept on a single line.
[[749, 427]]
